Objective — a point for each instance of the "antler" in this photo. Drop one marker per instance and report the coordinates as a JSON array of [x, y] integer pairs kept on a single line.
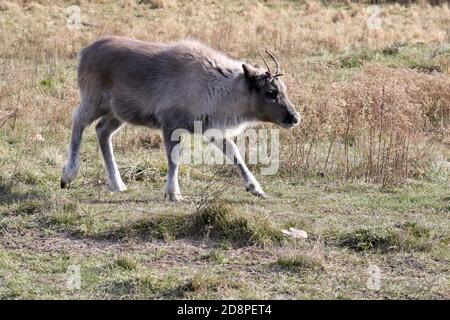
[[265, 61], [277, 72], [277, 65]]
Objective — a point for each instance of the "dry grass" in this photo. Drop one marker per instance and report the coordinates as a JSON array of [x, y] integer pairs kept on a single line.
[[299, 261], [373, 122], [382, 124]]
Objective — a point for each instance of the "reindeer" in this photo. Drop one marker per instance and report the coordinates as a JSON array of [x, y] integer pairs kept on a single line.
[[170, 86]]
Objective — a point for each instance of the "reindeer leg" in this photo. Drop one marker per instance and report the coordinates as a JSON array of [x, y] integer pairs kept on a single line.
[[81, 118], [231, 151], [105, 128], [172, 189]]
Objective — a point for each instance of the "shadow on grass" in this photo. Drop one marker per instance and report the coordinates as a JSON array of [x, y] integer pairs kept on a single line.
[[120, 201], [216, 222], [170, 287], [407, 237], [9, 196], [298, 263], [148, 287]]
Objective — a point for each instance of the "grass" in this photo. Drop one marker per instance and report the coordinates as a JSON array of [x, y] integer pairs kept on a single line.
[[420, 57], [405, 239], [217, 221], [368, 196], [125, 263], [216, 255], [299, 262], [133, 245]]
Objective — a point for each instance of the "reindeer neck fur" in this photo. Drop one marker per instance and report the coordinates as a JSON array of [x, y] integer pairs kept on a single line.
[[227, 96]]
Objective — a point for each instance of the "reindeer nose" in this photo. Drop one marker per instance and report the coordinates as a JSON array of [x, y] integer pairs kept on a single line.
[[295, 118], [292, 118]]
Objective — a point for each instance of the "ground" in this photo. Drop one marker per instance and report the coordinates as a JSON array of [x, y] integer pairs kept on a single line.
[[366, 239], [136, 245]]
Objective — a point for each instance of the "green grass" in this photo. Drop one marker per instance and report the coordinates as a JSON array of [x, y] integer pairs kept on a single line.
[[403, 238], [136, 245], [299, 262], [125, 263], [215, 255], [423, 58]]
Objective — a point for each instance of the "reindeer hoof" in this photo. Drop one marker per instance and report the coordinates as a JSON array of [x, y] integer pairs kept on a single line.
[[261, 194], [256, 191], [117, 188], [64, 185], [174, 197]]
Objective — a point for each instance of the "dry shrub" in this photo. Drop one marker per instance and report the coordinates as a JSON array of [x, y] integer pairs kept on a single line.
[[312, 7], [382, 125], [150, 140], [153, 4], [292, 30], [7, 5], [342, 133], [338, 16]]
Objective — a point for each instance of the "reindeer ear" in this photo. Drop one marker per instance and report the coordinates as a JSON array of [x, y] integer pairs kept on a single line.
[[250, 74]]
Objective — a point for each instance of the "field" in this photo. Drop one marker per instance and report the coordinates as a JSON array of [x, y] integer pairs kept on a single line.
[[366, 174]]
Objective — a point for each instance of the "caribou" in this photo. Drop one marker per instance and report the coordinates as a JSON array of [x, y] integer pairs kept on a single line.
[[171, 86]]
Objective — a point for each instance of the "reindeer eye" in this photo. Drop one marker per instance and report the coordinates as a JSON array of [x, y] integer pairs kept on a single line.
[[272, 94]]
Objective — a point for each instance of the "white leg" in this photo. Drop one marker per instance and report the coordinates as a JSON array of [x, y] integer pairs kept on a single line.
[[231, 151], [80, 120], [172, 189], [105, 129]]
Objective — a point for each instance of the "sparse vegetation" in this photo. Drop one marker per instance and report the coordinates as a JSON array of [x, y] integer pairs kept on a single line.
[[407, 237], [125, 263], [366, 175], [300, 262], [223, 221]]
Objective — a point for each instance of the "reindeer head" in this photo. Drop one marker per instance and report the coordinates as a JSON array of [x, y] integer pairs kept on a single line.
[[269, 100]]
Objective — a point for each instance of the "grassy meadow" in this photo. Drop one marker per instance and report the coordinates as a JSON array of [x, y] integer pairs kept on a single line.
[[366, 174]]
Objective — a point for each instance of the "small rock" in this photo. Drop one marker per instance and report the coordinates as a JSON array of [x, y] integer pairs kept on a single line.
[[295, 233]]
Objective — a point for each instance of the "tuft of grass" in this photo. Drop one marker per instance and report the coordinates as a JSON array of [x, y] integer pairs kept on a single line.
[[215, 255], [355, 60], [218, 220], [407, 237], [26, 207], [164, 226], [169, 287], [391, 50], [425, 59], [207, 285], [153, 4], [125, 287], [144, 171], [69, 218], [295, 261], [415, 230], [46, 83], [364, 240], [125, 263], [223, 221]]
